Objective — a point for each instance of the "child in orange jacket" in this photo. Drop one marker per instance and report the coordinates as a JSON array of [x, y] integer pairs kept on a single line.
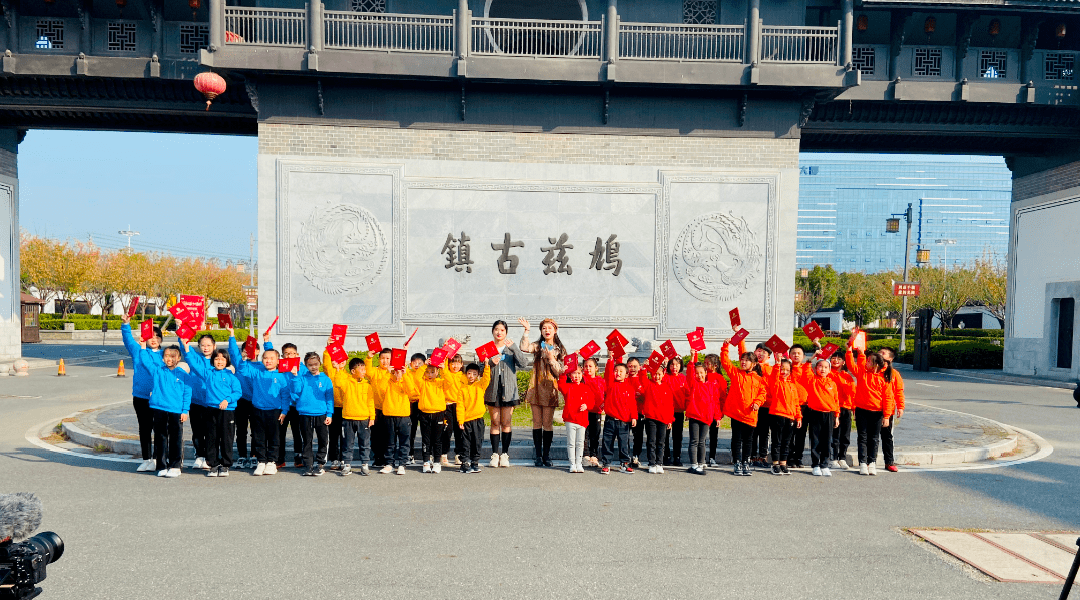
[[874, 402], [845, 387], [785, 414], [703, 408], [898, 392], [822, 412], [745, 396]]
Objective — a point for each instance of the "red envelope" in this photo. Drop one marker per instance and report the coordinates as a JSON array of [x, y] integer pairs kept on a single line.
[[286, 365], [486, 351], [397, 359], [739, 336], [438, 356], [337, 335], [615, 335], [451, 346], [224, 321], [696, 339], [777, 345], [860, 341], [133, 307], [185, 332], [338, 354], [251, 347], [828, 350], [588, 350], [570, 362], [146, 329], [813, 331], [373, 343], [736, 321], [669, 350]]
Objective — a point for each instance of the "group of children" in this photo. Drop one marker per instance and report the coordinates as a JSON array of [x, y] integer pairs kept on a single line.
[[365, 404]]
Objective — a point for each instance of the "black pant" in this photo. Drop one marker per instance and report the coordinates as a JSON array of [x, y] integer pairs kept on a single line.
[[451, 428], [264, 434], [242, 416], [146, 425], [167, 434], [868, 423], [337, 450], [414, 422], [592, 436], [673, 439], [781, 437], [197, 419], [431, 430], [221, 429], [798, 442], [397, 434], [310, 428], [472, 439], [379, 440], [841, 437], [638, 433], [655, 432], [356, 431], [292, 421], [615, 429], [761, 433], [698, 431], [742, 441], [820, 426], [714, 436], [887, 442]]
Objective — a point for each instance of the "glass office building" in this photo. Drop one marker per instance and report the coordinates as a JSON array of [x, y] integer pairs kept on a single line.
[[960, 209]]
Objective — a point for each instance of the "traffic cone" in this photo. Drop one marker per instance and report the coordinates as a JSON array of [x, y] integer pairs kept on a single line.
[[61, 371], [120, 370]]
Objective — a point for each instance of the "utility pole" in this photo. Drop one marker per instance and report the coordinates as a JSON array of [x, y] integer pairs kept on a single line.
[[129, 233], [251, 280], [907, 254]]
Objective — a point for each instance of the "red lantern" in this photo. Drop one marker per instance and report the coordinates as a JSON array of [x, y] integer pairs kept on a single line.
[[194, 4], [211, 85], [995, 28], [862, 23]]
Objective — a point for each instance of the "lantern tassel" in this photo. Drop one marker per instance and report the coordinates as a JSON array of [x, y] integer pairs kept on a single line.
[[207, 105]]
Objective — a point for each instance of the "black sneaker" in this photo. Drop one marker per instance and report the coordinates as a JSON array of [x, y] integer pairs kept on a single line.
[[475, 468], [223, 471], [776, 470], [711, 463], [319, 470], [310, 472], [464, 468], [783, 470], [677, 462], [548, 463], [537, 462], [737, 470], [746, 469]]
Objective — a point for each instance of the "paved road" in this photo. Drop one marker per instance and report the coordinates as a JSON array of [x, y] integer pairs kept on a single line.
[[525, 532]]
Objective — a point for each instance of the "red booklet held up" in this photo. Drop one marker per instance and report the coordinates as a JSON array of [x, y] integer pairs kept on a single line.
[[860, 341], [613, 345], [337, 335], [397, 359], [197, 308], [146, 329], [669, 350], [486, 351], [656, 360], [181, 313], [828, 350], [438, 356], [373, 343], [615, 335], [185, 332], [739, 336], [133, 307], [588, 350], [736, 321], [813, 331], [570, 361], [618, 356], [696, 339], [777, 345], [271, 327], [337, 354], [224, 321], [286, 365], [251, 347], [451, 346]]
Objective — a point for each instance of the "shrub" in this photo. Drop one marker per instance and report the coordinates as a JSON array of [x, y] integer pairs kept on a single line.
[[966, 355], [221, 335]]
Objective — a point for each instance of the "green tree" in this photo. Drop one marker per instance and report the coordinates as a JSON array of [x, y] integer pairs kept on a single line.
[[991, 284], [945, 291], [820, 289], [864, 297]]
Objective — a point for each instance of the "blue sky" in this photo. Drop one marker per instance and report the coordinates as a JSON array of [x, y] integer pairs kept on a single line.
[[184, 194]]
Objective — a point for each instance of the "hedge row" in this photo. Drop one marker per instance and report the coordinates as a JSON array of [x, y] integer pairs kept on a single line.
[[93, 322], [953, 332]]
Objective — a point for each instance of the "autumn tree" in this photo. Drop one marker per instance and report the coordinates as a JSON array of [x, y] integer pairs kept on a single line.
[[819, 290], [945, 291], [38, 258], [990, 284], [864, 297]]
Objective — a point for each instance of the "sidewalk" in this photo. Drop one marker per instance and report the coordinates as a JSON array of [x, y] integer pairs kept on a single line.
[[997, 375], [925, 437]]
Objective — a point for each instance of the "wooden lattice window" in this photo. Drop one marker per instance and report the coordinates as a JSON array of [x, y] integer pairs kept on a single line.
[[699, 12]]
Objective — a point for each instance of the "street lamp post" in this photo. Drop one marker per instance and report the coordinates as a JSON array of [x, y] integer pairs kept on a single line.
[[892, 225]]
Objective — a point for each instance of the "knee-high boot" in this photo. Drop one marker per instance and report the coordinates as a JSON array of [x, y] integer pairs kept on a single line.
[[538, 442], [548, 435]]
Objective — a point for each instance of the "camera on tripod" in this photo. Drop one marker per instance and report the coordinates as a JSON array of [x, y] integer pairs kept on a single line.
[[22, 563]]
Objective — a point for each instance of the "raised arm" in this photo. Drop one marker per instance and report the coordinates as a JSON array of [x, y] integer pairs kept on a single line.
[[328, 365], [725, 358], [234, 353], [132, 346]]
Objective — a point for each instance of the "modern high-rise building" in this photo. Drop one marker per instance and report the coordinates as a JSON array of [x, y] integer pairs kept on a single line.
[[960, 207]]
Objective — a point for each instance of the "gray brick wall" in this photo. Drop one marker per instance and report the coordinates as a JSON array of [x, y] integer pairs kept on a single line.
[[370, 142], [1045, 182], [9, 163]]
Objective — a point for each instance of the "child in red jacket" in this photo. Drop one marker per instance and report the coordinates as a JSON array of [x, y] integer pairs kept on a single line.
[[596, 409], [620, 404], [785, 414], [673, 439], [703, 408], [744, 398], [658, 411], [822, 413], [845, 386], [874, 404], [579, 399]]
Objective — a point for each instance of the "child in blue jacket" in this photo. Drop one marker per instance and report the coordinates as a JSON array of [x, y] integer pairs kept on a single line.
[[222, 391], [313, 397], [170, 400], [142, 384], [270, 396], [201, 417]]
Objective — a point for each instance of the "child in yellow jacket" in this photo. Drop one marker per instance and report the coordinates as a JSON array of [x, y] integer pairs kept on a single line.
[[396, 413], [454, 374], [470, 416], [430, 394], [378, 373], [357, 410]]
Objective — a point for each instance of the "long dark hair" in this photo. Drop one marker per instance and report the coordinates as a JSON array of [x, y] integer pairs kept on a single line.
[[221, 352], [538, 351]]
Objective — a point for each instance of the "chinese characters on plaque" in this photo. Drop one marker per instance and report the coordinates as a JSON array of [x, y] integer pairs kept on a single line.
[[457, 252]]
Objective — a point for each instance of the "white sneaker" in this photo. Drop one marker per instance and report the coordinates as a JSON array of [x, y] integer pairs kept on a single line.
[[271, 468], [200, 463], [212, 473], [833, 464], [652, 469], [863, 470], [843, 464], [457, 460], [173, 473], [386, 470], [872, 468], [427, 467], [436, 468], [401, 470], [260, 469], [163, 473], [816, 472], [826, 472], [660, 469], [494, 461], [504, 460], [444, 460], [147, 465]]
